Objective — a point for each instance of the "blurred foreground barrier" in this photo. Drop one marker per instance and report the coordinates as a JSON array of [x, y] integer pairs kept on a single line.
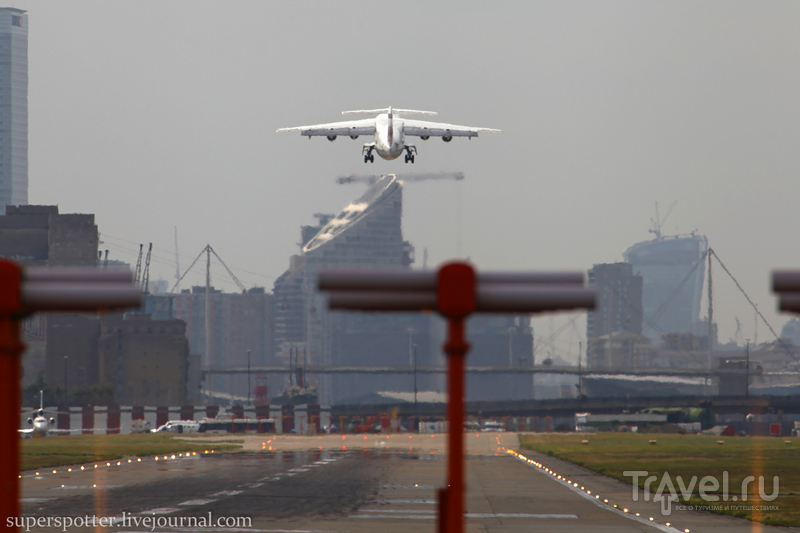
[[455, 291], [786, 284], [23, 292]]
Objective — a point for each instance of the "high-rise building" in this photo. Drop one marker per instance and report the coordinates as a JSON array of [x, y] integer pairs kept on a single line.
[[13, 107], [619, 306], [672, 271], [619, 300], [366, 233], [38, 236]]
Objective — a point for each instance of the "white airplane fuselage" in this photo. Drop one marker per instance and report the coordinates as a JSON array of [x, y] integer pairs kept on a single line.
[[389, 137], [40, 426]]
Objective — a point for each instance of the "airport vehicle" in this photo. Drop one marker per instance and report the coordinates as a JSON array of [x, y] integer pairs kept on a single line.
[[226, 422], [390, 131], [492, 425], [178, 426], [41, 426]]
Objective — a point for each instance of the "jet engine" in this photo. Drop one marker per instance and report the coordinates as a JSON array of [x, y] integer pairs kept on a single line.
[[447, 138], [354, 137], [331, 138], [425, 138]]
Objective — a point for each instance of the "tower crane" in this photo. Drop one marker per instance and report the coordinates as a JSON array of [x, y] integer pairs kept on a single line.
[[146, 271]]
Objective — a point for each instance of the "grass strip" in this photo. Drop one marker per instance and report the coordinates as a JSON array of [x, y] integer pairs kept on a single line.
[[611, 454], [78, 449]]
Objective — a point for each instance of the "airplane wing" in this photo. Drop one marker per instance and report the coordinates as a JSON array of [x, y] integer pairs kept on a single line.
[[350, 127], [53, 431], [24, 432], [421, 128]]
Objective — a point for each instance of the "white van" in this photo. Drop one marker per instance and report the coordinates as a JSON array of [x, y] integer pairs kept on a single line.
[[492, 425]]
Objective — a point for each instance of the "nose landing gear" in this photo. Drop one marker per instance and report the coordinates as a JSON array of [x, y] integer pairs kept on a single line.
[[367, 151], [410, 151]]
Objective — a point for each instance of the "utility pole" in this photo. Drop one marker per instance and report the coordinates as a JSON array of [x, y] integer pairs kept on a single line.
[[248, 377]]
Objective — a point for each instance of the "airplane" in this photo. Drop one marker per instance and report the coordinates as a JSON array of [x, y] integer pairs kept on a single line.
[[390, 131], [41, 425]]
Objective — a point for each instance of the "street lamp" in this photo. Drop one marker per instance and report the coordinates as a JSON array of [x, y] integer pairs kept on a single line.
[[248, 377], [65, 380]]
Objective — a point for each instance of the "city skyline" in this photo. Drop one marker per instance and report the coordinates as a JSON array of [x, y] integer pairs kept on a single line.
[[605, 109]]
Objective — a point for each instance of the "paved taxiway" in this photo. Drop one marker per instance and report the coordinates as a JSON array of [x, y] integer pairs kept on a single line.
[[384, 483]]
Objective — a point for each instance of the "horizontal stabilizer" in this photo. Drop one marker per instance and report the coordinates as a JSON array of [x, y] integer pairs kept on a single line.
[[387, 110]]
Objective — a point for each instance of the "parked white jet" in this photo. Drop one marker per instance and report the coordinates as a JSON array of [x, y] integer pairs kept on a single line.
[[41, 426], [389, 131]]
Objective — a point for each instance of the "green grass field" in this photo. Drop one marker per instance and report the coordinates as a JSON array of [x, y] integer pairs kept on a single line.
[[611, 454], [76, 449]]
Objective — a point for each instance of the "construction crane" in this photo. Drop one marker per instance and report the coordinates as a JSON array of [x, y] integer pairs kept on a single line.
[[370, 179], [146, 271], [137, 273], [658, 222]]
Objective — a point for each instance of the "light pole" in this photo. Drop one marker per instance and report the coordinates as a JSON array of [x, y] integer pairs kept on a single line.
[[747, 370], [248, 377], [510, 347], [410, 346], [66, 396], [416, 411]]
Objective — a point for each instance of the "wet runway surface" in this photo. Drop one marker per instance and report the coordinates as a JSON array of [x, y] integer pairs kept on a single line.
[[255, 484], [372, 484]]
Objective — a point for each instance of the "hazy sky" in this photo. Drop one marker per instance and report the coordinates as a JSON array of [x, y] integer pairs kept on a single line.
[[161, 114]]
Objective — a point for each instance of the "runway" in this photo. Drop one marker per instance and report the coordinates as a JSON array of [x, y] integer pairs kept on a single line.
[[384, 483]]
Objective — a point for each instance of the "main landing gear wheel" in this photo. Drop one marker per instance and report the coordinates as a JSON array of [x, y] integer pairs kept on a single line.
[[410, 158], [369, 158]]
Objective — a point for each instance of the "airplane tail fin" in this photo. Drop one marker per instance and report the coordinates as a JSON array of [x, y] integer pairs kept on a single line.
[[388, 110]]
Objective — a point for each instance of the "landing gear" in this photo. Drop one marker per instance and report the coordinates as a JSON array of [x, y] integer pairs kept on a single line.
[[410, 151], [367, 151]]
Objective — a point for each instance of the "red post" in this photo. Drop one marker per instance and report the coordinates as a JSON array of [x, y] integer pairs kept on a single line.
[[456, 301], [10, 351]]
